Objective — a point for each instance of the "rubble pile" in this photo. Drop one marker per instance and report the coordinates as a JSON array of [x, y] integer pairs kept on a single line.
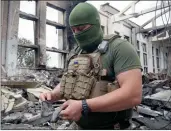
[[20, 105], [154, 112], [47, 78], [22, 112], [22, 109]]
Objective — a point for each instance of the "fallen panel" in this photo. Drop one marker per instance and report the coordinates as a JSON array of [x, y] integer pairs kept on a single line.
[[162, 96], [148, 111], [154, 104], [37, 91], [154, 124]]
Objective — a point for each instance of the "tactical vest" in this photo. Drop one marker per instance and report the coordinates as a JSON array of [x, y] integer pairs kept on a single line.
[[82, 78]]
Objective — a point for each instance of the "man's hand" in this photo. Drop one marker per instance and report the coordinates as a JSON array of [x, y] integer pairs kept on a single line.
[[50, 96], [71, 110]]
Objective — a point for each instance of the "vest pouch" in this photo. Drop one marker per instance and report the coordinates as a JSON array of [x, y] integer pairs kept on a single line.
[[99, 89], [67, 85], [83, 86], [112, 86]]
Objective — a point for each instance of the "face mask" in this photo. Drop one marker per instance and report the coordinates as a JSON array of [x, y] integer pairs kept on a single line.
[[90, 38]]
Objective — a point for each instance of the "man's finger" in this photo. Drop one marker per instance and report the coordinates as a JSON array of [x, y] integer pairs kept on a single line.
[[64, 105], [64, 112], [48, 96], [65, 118], [42, 97]]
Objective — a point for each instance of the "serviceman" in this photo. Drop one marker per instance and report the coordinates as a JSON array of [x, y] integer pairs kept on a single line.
[[103, 81]]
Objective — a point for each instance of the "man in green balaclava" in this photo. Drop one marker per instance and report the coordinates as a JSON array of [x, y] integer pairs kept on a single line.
[[87, 17], [112, 110]]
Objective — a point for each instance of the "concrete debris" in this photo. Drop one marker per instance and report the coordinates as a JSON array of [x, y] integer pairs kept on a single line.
[[148, 111], [154, 112], [11, 100], [37, 91], [162, 96], [48, 78], [22, 109], [156, 124]]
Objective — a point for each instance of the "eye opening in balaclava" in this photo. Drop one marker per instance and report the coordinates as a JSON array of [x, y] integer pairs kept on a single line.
[[82, 14], [81, 28]]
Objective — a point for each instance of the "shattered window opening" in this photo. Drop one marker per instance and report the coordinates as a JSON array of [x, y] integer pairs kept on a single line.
[[28, 7], [158, 58], [103, 28], [153, 51], [145, 59], [55, 59], [54, 37], [145, 70], [153, 62], [144, 47], [138, 52], [27, 32], [138, 45], [54, 15], [25, 56]]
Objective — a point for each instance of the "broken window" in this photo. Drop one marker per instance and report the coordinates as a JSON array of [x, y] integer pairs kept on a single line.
[[138, 45], [153, 59], [144, 47], [145, 59], [145, 70], [102, 28], [154, 70], [25, 57], [55, 59], [26, 32], [158, 58], [138, 52], [54, 37], [26, 35], [28, 7], [158, 62], [54, 15], [152, 50], [157, 52], [153, 62], [138, 48]]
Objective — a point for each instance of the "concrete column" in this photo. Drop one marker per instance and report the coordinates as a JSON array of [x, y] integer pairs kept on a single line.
[[134, 38], [169, 62], [150, 57], [12, 38], [41, 33], [162, 62], [4, 25]]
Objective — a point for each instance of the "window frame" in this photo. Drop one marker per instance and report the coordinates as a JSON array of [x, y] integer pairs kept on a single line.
[[35, 47], [36, 18], [57, 26]]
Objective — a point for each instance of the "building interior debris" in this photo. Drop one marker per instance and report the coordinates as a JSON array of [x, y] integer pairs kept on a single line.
[[36, 40]]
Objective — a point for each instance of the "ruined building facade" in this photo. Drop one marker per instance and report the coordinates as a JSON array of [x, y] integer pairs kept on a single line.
[[28, 28]]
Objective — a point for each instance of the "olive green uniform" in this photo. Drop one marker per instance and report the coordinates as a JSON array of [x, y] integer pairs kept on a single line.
[[120, 56]]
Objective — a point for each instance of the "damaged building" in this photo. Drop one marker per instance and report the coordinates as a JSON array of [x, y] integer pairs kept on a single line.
[[35, 42]]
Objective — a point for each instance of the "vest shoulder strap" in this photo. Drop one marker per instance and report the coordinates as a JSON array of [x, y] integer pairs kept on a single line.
[[103, 46]]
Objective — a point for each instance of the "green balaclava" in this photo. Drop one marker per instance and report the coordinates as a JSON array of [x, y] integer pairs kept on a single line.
[[82, 14]]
